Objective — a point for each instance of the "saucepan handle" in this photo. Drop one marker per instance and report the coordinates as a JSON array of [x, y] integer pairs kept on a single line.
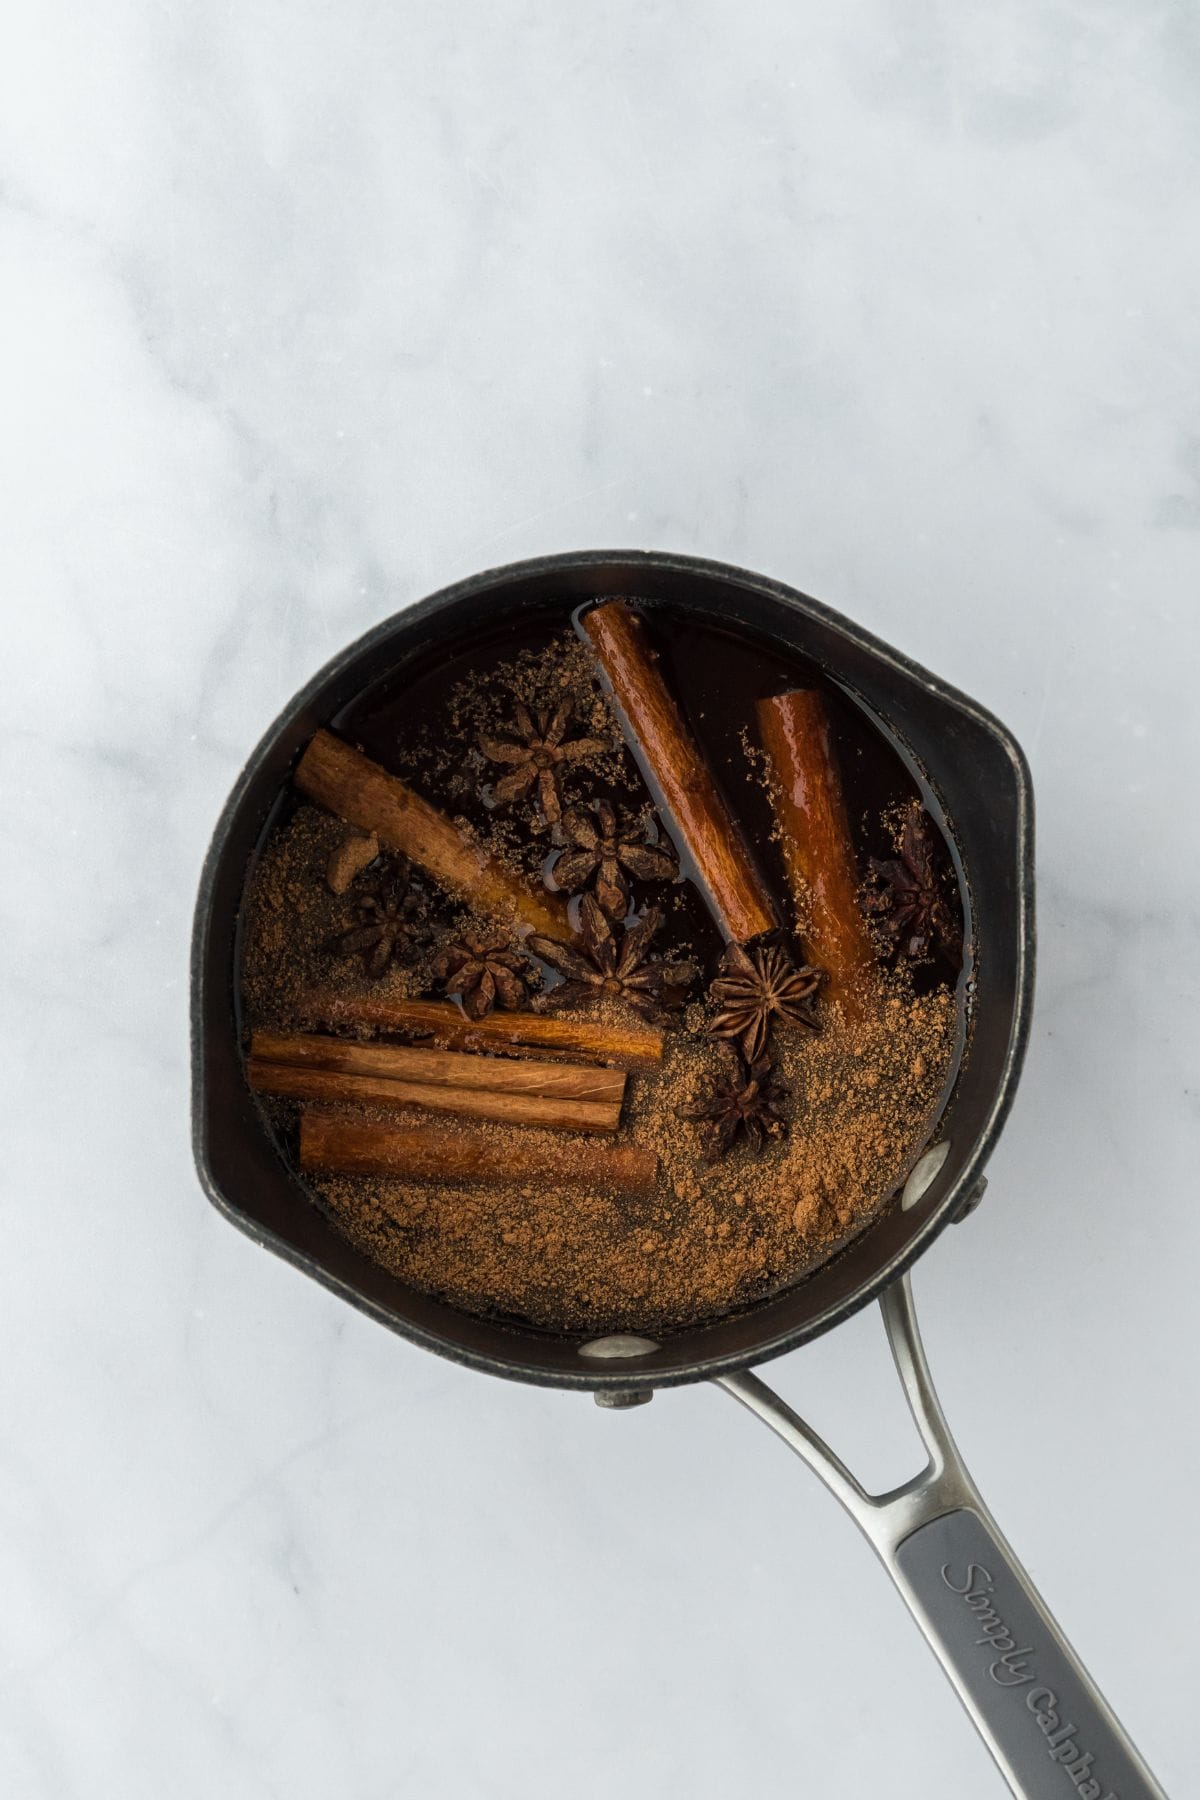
[[1041, 1714], [1038, 1710]]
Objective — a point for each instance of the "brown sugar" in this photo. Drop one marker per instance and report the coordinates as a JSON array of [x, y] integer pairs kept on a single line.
[[533, 1230], [708, 1236]]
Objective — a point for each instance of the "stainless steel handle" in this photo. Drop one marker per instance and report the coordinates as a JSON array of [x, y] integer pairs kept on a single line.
[[1034, 1704]]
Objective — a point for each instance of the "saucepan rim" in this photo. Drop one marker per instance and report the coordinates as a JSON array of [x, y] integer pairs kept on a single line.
[[640, 1372]]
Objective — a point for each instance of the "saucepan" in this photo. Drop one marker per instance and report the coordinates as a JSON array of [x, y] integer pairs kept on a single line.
[[1038, 1710]]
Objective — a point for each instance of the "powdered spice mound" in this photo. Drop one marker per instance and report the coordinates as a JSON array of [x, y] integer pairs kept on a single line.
[[728, 1155], [710, 1237]]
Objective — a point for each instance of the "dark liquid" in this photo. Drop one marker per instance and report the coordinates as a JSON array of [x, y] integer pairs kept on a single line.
[[415, 722], [717, 677]]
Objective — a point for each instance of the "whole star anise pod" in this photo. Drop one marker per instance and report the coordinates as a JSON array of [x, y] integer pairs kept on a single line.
[[743, 1102], [483, 969], [539, 756], [603, 850], [908, 900], [758, 988], [385, 926], [621, 967]]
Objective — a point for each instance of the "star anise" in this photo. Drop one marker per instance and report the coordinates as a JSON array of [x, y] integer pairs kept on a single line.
[[908, 899], [603, 850], [621, 967], [743, 1102], [484, 970], [385, 926], [758, 988], [538, 758]]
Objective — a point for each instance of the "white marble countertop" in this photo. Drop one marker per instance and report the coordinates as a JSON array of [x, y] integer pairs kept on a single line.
[[308, 310]]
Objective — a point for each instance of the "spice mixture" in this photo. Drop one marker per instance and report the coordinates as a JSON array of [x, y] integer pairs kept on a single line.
[[590, 991]]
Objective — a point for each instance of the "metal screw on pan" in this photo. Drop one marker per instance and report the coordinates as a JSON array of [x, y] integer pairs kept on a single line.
[[972, 1200], [618, 1399], [619, 1347]]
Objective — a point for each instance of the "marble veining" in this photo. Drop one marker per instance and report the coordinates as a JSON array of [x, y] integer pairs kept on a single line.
[[308, 310]]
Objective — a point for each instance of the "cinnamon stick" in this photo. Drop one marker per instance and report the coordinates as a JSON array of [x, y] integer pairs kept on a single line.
[[818, 850], [516, 1033], [677, 774], [345, 782], [330, 1144], [336, 1088], [439, 1068]]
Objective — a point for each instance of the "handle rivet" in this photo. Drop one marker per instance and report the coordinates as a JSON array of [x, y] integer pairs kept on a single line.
[[972, 1200]]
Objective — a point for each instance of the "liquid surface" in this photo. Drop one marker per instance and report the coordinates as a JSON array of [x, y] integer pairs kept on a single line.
[[709, 1236]]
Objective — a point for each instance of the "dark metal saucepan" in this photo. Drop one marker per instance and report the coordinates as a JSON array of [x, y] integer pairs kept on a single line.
[[1038, 1710]]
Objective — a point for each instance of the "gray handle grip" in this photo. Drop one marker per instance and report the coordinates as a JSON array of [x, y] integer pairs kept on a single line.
[[1044, 1718], [1033, 1702]]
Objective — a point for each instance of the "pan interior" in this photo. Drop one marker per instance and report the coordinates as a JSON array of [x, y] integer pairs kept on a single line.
[[978, 777]]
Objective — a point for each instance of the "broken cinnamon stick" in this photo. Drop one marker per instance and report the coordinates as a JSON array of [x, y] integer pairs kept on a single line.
[[335, 1088], [677, 774], [516, 1033], [818, 850], [330, 1144], [344, 781], [439, 1068]]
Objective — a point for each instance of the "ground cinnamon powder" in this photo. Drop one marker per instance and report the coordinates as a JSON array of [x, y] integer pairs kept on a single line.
[[709, 1237]]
